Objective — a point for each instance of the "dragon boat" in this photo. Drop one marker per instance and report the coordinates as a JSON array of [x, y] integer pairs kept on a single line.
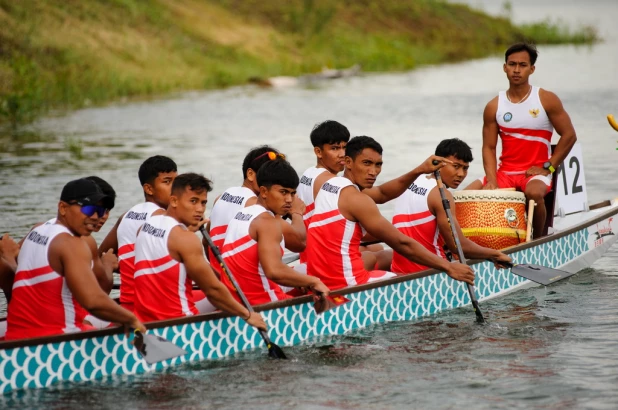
[[577, 240]]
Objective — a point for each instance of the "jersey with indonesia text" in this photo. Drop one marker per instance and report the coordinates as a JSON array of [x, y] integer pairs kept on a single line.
[[240, 253], [126, 234], [414, 219], [227, 206], [162, 288], [42, 303]]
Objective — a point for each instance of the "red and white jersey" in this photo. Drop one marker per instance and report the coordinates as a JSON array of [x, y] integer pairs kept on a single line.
[[414, 219], [333, 241], [240, 253], [525, 131], [305, 193], [126, 234], [227, 206], [162, 288], [41, 304]]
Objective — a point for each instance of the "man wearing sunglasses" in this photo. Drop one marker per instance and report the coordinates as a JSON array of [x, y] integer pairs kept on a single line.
[[156, 175], [54, 281], [234, 199]]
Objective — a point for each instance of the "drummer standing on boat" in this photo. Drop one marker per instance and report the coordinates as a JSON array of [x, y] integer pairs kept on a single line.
[[254, 239], [235, 199], [343, 214], [54, 277], [156, 175], [524, 117], [420, 214], [169, 257]]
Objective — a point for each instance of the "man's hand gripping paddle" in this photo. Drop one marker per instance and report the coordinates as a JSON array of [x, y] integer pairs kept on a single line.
[[274, 351], [462, 259]]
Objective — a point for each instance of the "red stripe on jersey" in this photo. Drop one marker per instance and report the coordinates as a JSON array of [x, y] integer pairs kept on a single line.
[[411, 217], [526, 131]]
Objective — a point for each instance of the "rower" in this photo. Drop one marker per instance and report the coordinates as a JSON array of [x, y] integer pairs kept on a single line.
[[253, 243], [420, 214], [156, 175], [54, 275], [169, 256], [234, 199], [103, 266], [343, 214]]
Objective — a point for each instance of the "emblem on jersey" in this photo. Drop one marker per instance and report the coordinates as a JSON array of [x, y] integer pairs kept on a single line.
[[507, 117], [511, 217], [534, 112]]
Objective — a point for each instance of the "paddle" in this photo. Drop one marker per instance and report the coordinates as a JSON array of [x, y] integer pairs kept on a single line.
[[155, 348], [274, 351], [537, 273], [462, 259]]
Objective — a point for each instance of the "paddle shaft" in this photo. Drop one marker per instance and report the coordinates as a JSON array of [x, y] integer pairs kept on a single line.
[[241, 295], [462, 259]]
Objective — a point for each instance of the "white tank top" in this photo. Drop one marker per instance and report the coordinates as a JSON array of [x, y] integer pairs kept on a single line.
[[162, 288], [414, 219], [305, 193], [227, 206], [240, 253], [126, 235], [42, 303], [525, 131]]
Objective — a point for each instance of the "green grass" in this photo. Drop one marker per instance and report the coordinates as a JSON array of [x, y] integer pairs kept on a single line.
[[64, 54]]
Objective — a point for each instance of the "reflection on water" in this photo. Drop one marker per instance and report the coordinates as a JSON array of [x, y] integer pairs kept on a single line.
[[549, 347]]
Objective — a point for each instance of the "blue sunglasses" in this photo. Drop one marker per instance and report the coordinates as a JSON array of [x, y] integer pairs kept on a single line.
[[90, 210]]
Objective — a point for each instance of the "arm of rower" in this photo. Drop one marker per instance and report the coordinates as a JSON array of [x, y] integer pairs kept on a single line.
[[268, 236], [295, 233], [103, 272], [73, 255], [187, 247], [561, 121], [490, 141], [395, 187], [365, 211], [470, 249], [111, 240]]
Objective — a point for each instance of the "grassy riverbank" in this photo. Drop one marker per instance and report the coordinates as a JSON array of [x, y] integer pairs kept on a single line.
[[73, 53]]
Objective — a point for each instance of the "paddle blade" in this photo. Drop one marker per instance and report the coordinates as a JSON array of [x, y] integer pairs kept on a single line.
[[540, 274], [156, 349], [326, 303], [275, 352]]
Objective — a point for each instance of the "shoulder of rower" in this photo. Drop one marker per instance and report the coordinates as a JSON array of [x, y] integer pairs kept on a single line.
[[352, 201], [65, 245], [549, 100], [434, 200], [264, 223], [181, 239], [491, 108]]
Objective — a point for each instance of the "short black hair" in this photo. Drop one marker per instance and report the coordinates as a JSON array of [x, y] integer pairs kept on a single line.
[[357, 144], [153, 166], [456, 148], [195, 182], [250, 161], [106, 188], [523, 46], [277, 172], [329, 132]]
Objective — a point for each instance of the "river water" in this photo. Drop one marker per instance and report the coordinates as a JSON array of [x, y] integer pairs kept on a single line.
[[553, 347]]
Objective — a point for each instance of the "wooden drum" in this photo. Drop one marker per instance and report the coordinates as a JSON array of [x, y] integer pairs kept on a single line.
[[492, 218]]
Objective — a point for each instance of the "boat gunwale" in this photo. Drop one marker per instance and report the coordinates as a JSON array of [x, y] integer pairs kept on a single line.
[[204, 317]]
